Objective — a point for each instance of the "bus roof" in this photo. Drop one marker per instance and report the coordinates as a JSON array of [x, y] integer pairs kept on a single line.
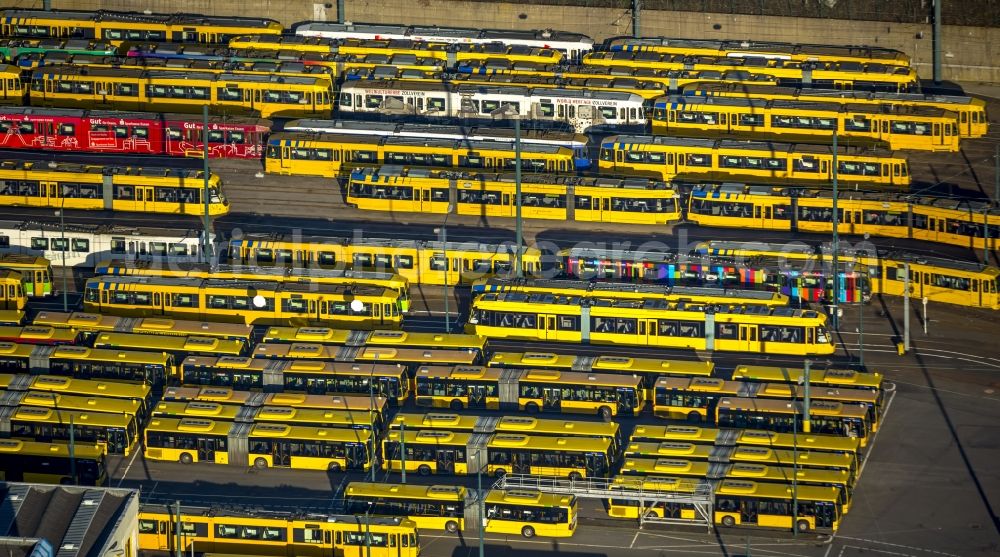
[[59, 416], [38, 448], [190, 425], [430, 340], [542, 442], [753, 471], [38, 334], [417, 355], [778, 491], [197, 409], [692, 433], [816, 407], [405, 491], [323, 335], [529, 424], [15, 350], [465, 373], [299, 400], [670, 448], [816, 441], [110, 389], [98, 354], [318, 416], [839, 377], [667, 466], [170, 343], [579, 378], [530, 497], [657, 483], [50, 399], [312, 433], [435, 420], [432, 437]]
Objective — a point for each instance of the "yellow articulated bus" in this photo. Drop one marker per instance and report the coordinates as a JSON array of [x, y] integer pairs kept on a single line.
[[60, 401], [786, 416], [263, 96], [52, 463], [249, 302], [649, 322], [92, 323], [36, 272], [230, 272], [973, 121], [760, 49], [329, 155], [87, 363], [420, 262], [138, 394], [448, 452], [261, 533], [653, 486], [110, 188], [667, 158], [630, 291], [261, 445], [297, 376], [543, 196], [739, 502], [649, 369], [695, 399], [602, 394], [900, 127], [117, 27], [530, 513], [674, 467], [119, 433], [434, 507], [12, 296], [401, 339], [509, 424], [792, 73]]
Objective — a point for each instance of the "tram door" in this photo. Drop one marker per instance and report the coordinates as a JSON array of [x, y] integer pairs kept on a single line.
[[749, 339]]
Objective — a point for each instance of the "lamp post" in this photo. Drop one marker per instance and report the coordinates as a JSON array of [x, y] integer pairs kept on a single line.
[[62, 233], [443, 238], [508, 111], [482, 502]]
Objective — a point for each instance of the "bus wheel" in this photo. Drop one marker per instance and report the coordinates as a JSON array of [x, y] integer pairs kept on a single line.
[[802, 526], [575, 476], [605, 413], [499, 473], [694, 418], [451, 526], [528, 532], [728, 521], [424, 470], [186, 458], [531, 408], [333, 467], [260, 463], [456, 406]]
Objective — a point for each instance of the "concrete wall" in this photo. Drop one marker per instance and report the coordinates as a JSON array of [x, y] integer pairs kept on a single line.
[[969, 53]]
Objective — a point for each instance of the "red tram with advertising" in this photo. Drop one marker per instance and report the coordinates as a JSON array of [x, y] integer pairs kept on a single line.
[[133, 133]]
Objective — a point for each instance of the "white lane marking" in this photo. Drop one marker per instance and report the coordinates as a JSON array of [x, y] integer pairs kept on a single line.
[[127, 468]]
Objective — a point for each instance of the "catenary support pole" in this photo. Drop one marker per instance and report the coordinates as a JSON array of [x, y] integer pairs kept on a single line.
[[937, 42]]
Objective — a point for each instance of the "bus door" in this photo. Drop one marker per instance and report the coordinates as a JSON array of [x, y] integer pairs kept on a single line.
[[286, 157], [749, 338], [626, 400], [354, 456], [206, 448], [477, 396], [444, 461], [938, 134], [551, 399], [280, 455], [597, 465], [748, 510]]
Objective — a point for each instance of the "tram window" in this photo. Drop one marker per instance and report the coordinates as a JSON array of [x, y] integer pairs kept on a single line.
[[126, 90], [657, 158], [435, 104], [239, 138], [582, 202], [60, 244], [294, 305], [198, 92], [751, 120], [770, 333], [121, 132], [39, 243], [547, 109], [373, 101], [634, 156], [4, 241], [698, 160], [175, 134], [178, 250], [67, 129], [439, 195], [215, 136], [345, 99], [953, 283], [26, 127], [440, 160], [229, 94], [568, 323], [117, 245], [805, 164], [326, 258], [364, 156], [158, 248], [608, 112], [727, 331], [184, 300], [471, 161], [403, 262]]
